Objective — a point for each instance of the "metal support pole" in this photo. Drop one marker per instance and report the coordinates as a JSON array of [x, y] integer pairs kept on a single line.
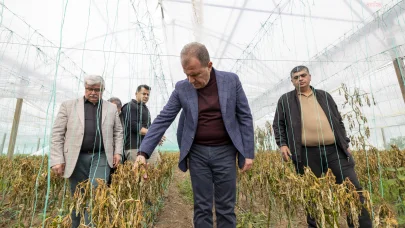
[[400, 71], [39, 143], [14, 129], [383, 137], [2, 143]]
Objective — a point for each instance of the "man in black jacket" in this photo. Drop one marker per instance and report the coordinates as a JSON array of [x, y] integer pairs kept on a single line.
[[136, 121], [309, 129]]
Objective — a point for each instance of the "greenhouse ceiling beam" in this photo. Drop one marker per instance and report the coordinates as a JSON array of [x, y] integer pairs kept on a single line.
[[367, 8], [355, 12], [32, 36], [112, 30], [265, 27], [361, 18], [392, 13], [33, 95], [31, 121], [233, 31], [268, 11], [214, 35], [21, 75], [235, 25]]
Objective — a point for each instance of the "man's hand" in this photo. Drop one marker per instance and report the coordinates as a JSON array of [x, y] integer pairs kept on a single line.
[[116, 160], [285, 152], [349, 151], [141, 161], [59, 169], [248, 164], [143, 131], [162, 140]]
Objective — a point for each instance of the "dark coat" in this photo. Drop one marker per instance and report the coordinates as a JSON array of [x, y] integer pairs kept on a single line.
[[287, 122], [235, 113]]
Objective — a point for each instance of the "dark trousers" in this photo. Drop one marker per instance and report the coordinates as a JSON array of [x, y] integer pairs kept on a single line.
[[213, 174], [88, 166], [319, 159]]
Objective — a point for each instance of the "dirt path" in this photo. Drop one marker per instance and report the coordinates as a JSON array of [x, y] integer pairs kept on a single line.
[[176, 212]]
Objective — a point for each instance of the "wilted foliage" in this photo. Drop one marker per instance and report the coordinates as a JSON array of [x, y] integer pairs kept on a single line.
[[274, 186], [130, 201], [271, 192], [24, 186]]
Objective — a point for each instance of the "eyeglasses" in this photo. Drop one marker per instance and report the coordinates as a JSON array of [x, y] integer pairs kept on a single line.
[[96, 90]]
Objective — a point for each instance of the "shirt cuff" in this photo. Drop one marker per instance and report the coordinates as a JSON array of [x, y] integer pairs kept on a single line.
[[143, 154]]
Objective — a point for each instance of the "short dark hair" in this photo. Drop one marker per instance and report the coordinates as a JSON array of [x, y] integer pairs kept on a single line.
[[197, 50], [116, 101], [142, 86], [298, 69]]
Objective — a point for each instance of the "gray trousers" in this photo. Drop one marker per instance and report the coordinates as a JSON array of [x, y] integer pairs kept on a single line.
[[213, 176], [88, 166]]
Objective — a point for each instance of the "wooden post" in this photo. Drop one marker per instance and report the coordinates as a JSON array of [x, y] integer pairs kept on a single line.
[[39, 143], [14, 129], [400, 71], [383, 137], [2, 143]]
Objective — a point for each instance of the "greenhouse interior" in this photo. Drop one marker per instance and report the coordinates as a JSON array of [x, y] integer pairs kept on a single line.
[[354, 50]]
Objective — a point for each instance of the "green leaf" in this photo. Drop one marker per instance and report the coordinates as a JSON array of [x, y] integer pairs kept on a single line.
[[391, 182], [401, 169], [401, 177], [390, 169]]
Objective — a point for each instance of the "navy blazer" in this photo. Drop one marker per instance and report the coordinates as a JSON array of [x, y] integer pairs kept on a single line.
[[235, 113]]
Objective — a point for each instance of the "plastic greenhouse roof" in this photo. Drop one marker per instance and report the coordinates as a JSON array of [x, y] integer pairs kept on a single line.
[[47, 46]]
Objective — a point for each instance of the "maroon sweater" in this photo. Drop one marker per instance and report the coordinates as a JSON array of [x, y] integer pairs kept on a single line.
[[210, 129]]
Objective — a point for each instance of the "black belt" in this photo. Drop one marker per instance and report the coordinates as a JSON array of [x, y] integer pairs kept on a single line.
[[91, 151], [320, 146]]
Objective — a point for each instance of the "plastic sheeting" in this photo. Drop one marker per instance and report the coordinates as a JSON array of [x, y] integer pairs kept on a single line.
[[47, 46]]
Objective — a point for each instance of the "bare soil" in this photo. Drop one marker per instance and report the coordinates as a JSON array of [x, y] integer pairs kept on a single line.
[[176, 212]]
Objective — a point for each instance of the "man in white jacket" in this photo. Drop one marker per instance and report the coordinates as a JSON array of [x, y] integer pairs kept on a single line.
[[87, 138]]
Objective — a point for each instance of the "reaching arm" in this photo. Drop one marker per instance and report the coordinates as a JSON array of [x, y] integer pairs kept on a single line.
[[160, 124]]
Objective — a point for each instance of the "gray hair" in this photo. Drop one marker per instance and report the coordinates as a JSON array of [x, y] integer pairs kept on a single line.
[[93, 80], [298, 69], [196, 50], [116, 101]]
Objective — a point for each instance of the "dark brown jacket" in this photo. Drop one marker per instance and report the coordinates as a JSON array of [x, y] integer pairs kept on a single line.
[[287, 122]]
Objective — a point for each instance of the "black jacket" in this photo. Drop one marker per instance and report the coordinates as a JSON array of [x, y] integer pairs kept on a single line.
[[287, 122], [135, 116]]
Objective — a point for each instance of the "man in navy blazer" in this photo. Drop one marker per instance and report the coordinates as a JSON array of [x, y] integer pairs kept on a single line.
[[216, 127]]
